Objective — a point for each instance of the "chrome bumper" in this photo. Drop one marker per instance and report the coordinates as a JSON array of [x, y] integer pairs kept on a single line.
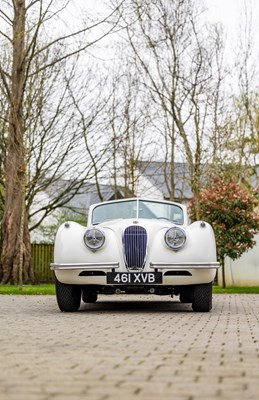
[[153, 265], [73, 266], [185, 265]]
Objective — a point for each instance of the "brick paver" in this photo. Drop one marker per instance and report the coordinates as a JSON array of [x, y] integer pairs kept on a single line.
[[127, 349]]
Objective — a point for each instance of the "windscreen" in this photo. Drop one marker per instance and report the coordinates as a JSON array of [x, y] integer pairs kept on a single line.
[[158, 210], [137, 209]]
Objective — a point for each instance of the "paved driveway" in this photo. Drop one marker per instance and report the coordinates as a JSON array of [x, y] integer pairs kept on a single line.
[[147, 349]]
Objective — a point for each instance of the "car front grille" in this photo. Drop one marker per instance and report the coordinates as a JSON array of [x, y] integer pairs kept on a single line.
[[135, 247]]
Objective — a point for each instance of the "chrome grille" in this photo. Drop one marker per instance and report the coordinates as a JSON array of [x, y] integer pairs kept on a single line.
[[135, 247]]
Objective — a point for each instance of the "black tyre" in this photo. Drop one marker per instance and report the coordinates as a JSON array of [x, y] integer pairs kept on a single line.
[[202, 297], [68, 296], [89, 296]]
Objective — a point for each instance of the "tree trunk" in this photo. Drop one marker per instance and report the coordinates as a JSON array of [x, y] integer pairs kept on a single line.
[[223, 272], [16, 250]]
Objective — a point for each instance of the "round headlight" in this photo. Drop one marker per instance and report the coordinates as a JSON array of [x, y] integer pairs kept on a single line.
[[94, 238], [175, 238]]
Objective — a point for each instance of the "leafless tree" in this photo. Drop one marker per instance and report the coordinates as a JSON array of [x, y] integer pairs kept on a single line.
[[3, 131], [91, 124], [56, 159], [243, 123], [176, 57], [33, 50], [236, 146], [127, 123]]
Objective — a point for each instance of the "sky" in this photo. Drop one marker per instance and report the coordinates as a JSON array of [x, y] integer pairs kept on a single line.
[[232, 14], [229, 12], [225, 11]]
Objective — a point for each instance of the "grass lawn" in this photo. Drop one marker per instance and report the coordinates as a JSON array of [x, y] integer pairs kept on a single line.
[[50, 289], [236, 289], [28, 289]]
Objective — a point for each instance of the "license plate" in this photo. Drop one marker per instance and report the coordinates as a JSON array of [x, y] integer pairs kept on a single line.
[[134, 278]]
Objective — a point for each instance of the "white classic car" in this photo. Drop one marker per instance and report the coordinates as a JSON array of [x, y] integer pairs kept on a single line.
[[135, 246]]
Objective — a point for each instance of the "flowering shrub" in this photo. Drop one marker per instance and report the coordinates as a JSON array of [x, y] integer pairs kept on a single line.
[[229, 208]]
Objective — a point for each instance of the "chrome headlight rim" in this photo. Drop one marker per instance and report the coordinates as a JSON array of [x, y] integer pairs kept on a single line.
[[94, 238], [175, 238]]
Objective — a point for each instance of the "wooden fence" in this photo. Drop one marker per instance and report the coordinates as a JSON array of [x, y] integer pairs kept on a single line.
[[42, 256]]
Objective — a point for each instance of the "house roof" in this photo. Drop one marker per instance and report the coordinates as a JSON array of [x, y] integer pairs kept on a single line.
[[89, 195], [158, 172]]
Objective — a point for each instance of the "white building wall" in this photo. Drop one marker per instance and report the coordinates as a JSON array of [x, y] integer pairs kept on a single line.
[[37, 235], [243, 271], [144, 188]]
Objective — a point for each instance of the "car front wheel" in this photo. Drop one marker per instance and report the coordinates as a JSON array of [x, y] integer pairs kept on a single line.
[[202, 297], [68, 296]]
